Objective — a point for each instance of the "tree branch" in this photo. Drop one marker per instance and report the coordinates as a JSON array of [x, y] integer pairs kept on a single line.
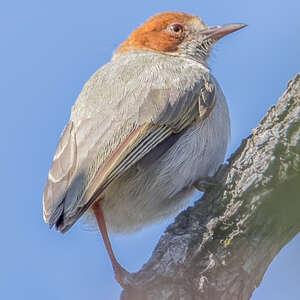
[[221, 247]]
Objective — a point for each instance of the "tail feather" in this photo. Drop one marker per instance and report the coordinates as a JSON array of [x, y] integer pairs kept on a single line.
[[57, 216]]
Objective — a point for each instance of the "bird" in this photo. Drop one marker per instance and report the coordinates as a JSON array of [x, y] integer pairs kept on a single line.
[[147, 130]]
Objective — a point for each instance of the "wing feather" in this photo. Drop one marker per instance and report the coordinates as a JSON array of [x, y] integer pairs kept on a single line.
[[62, 166]]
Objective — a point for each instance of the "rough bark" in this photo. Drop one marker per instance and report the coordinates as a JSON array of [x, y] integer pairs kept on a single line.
[[221, 247]]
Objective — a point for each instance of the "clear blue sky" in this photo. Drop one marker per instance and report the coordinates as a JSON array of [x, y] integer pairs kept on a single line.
[[48, 49]]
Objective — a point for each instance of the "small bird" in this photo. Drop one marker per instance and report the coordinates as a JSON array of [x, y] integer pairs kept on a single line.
[[147, 129]]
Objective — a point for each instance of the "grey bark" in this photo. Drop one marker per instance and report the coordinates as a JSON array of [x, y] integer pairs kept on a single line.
[[221, 247]]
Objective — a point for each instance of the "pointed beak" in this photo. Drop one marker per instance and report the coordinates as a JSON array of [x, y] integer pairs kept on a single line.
[[217, 32]]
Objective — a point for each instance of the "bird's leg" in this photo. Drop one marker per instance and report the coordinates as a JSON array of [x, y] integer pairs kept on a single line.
[[121, 275], [204, 183]]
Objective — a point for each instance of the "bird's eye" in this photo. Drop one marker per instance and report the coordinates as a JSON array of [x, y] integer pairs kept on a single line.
[[176, 29]]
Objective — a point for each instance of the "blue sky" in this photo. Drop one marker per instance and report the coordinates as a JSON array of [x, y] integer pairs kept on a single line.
[[48, 50]]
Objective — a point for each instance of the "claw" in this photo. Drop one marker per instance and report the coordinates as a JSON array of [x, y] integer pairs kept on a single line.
[[205, 183], [123, 277]]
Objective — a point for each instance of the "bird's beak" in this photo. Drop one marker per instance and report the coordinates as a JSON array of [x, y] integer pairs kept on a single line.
[[217, 32]]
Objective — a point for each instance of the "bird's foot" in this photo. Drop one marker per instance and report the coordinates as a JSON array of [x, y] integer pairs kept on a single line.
[[123, 277], [205, 183]]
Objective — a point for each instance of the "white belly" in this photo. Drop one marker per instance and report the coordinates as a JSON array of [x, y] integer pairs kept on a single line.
[[143, 196]]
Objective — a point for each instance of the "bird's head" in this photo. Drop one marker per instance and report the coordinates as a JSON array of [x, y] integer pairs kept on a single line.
[[176, 34]]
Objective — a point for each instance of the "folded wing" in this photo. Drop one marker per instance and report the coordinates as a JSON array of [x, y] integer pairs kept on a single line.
[[97, 149]]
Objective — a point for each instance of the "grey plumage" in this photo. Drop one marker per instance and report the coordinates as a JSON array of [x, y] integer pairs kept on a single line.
[[105, 151]]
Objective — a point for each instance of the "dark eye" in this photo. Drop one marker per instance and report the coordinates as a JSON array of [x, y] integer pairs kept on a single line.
[[176, 28]]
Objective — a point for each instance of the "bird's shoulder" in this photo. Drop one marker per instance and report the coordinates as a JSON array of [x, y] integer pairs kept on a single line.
[[135, 82]]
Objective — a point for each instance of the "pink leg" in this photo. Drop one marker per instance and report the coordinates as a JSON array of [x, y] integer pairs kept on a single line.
[[120, 272]]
